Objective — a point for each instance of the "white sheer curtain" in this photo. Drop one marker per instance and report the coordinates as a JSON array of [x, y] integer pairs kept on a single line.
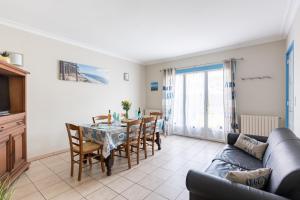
[[178, 117], [215, 110], [195, 104], [189, 104]]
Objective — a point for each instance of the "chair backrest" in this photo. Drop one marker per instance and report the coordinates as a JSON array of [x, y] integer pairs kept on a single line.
[[158, 115], [99, 118], [75, 137], [283, 157], [134, 129], [149, 125]]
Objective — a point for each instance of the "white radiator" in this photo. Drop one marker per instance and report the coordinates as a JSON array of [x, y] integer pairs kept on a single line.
[[258, 125]]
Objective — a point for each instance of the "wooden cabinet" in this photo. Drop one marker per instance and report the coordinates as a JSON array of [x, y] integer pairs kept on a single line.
[[13, 140], [4, 156]]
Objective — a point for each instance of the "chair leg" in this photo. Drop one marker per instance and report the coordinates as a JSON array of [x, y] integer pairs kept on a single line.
[[138, 153], [72, 167], [90, 162], [102, 164], [128, 155], [80, 167], [153, 140], [145, 146]]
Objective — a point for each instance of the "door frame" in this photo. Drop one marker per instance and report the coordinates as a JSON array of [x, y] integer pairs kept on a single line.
[[287, 66]]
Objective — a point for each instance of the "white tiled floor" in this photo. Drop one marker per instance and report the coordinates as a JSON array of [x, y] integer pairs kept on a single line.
[[158, 177]]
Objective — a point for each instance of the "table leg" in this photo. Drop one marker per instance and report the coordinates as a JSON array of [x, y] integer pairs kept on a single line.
[[109, 162], [158, 140]]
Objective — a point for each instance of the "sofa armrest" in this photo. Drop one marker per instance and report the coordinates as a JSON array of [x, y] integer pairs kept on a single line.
[[232, 138], [208, 187]]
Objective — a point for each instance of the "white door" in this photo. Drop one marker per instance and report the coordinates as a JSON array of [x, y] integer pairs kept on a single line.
[[198, 105]]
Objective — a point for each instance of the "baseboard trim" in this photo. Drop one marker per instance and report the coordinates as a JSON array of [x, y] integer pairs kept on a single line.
[[47, 155]]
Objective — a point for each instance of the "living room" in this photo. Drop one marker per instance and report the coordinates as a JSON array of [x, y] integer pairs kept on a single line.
[[149, 99]]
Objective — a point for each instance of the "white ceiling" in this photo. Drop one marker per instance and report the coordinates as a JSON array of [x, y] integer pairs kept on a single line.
[[148, 31]]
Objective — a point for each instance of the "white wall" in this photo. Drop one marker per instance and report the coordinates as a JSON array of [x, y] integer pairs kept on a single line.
[[294, 35], [52, 102], [253, 97]]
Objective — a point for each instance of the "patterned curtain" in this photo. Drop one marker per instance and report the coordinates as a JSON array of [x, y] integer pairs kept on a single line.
[[168, 98], [230, 109]]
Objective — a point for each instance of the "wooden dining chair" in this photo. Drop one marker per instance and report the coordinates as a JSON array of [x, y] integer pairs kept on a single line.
[[86, 151], [158, 115], [149, 131], [133, 141], [99, 118]]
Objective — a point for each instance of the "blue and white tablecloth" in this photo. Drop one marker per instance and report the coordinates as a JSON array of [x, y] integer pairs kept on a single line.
[[110, 136]]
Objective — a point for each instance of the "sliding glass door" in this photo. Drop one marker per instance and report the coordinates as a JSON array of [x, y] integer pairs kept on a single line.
[[198, 105]]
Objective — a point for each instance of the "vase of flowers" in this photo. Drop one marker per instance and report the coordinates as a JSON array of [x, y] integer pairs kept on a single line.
[[126, 106]]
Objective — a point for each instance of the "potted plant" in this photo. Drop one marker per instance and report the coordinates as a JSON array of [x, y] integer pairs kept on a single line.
[[4, 56], [126, 106], [6, 192]]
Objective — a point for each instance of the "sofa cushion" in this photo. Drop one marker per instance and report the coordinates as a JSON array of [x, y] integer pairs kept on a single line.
[[220, 168], [239, 158], [251, 146], [254, 178]]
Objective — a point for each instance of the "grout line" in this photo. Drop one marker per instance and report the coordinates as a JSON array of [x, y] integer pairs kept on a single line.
[[58, 177], [160, 156], [35, 188]]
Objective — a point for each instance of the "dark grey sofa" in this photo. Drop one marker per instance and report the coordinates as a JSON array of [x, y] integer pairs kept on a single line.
[[282, 156]]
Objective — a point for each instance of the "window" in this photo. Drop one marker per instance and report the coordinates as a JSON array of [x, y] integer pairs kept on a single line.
[[198, 103]]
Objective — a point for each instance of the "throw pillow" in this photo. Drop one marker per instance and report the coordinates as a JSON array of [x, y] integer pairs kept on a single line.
[[251, 146], [255, 178]]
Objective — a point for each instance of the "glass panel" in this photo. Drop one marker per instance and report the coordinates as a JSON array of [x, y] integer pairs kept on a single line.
[[215, 105], [195, 103], [178, 122]]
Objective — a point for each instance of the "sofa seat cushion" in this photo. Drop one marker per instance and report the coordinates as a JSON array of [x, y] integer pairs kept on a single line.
[[237, 157], [220, 168]]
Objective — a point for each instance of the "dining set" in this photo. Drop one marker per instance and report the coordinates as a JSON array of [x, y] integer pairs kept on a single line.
[[103, 140]]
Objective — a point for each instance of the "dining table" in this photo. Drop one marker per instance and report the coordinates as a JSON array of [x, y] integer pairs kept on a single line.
[[110, 136]]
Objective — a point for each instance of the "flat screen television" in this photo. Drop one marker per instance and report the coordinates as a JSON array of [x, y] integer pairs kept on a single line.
[[4, 94]]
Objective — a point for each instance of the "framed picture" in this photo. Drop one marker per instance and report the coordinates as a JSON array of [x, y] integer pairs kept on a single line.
[[69, 71], [154, 86]]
